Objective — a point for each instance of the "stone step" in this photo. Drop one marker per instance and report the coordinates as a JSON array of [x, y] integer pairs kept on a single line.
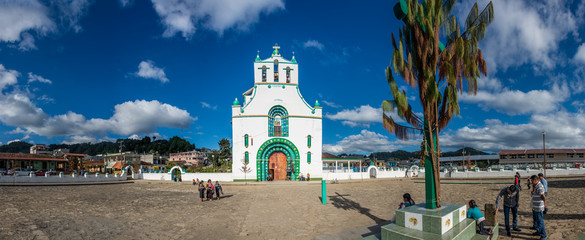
[[464, 230]]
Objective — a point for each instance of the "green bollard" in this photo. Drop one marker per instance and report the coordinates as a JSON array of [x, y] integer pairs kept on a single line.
[[323, 192]]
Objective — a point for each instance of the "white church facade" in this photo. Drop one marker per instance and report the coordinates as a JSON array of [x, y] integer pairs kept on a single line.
[[276, 134]]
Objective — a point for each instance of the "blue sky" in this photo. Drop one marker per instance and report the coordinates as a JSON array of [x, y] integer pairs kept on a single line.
[[89, 71]]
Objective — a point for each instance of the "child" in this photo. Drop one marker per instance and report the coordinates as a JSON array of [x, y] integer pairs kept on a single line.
[[407, 201], [201, 191], [218, 188], [475, 213]]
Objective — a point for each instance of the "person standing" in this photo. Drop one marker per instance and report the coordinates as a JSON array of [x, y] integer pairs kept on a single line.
[[201, 191], [511, 196], [210, 190], [545, 185], [538, 206], [218, 188]]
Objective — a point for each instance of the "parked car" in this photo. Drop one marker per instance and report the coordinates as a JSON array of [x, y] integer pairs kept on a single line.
[[22, 171], [41, 172]]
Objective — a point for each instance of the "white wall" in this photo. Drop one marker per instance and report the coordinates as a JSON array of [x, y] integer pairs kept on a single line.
[[510, 173], [188, 177], [7, 180]]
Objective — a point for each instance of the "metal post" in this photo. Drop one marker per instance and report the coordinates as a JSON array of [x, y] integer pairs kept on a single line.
[[544, 150], [323, 192]]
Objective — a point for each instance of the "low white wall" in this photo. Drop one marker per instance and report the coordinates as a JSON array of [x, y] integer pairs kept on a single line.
[[345, 175], [64, 179], [510, 173], [391, 174], [222, 177]]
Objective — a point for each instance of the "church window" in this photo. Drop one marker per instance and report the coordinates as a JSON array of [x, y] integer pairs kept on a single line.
[[263, 73], [275, 70], [246, 140], [309, 157], [277, 127], [309, 141], [287, 74], [278, 122]]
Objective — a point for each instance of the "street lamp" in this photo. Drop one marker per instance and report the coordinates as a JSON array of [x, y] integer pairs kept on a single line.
[[544, 150]]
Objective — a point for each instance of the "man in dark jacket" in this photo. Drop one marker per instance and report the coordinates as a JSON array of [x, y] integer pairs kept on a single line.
[[511, 196]]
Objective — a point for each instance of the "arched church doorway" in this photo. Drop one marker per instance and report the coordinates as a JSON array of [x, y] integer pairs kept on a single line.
[[277, 166]]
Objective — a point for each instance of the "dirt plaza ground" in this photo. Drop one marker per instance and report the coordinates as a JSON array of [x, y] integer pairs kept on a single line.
[[276, 210]]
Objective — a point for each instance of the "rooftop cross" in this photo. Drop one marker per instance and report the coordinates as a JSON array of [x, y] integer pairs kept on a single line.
[[276, 47]]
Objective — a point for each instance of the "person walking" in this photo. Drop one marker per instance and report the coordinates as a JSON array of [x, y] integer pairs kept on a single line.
[[538, 206], [511, 196]]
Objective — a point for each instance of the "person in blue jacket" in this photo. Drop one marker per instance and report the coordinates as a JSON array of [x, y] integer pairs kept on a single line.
[[475, 213]]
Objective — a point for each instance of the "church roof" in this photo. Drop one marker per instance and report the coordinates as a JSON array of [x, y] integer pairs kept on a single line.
[[275, 56]]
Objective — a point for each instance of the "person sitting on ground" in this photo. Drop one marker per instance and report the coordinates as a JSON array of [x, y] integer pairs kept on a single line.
[[407, 201], [475, 213], [218, 189], [511, 196]]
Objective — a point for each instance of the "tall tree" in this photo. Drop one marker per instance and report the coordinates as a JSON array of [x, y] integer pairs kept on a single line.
[[437, 71]]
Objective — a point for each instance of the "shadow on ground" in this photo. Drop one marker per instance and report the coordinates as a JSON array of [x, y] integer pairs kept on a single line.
[[340, 201]]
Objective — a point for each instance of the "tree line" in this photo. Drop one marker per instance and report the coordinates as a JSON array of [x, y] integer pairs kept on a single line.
[[144, 145]]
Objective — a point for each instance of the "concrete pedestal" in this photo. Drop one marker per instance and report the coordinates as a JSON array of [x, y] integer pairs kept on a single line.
[[447, 222]]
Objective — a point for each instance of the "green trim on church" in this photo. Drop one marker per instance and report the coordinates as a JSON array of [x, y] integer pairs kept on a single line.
[[277, 145]]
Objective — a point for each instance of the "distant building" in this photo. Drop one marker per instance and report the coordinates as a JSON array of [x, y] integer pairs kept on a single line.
[[193, 158], [536, 156], [39, 149], [473, 160], [31, 161]]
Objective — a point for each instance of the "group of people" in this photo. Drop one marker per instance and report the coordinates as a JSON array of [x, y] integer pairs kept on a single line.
[[511, 196], [208, 189]]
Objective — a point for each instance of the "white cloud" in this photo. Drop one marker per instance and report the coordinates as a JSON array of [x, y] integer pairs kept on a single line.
[[580, 55], [330, 104], [146, 69], [135, 137], [313, 44], [207, 105], [487, 83], [366, 142], [525, 32], [137, 117], [27, 43], [36, 78], [126, 3], [16, 28], [7, 77], [362, 116], [13, 24], [184, 17], [70, 11], [563, 130], [514, 102]]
